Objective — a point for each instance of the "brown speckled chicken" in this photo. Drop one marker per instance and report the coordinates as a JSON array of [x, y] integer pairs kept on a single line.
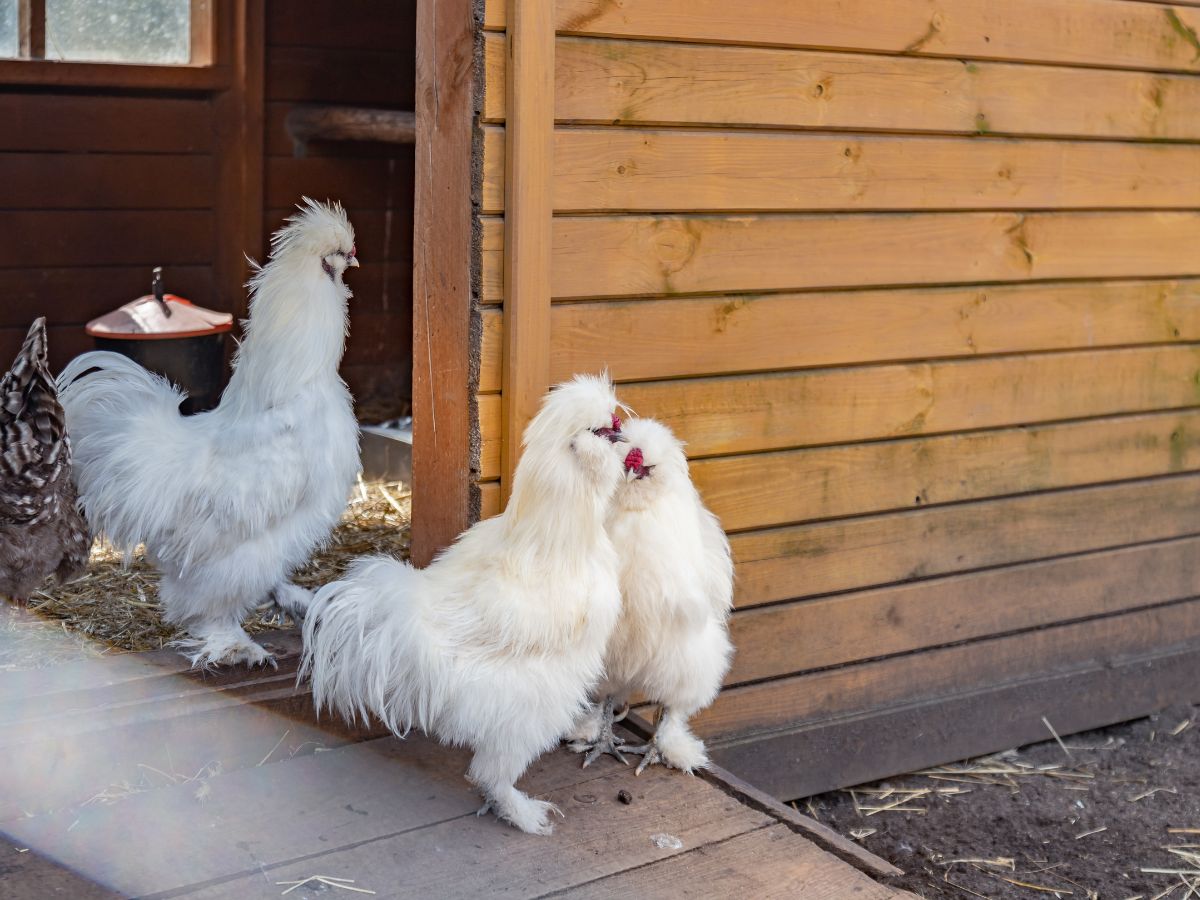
[[41, 529]]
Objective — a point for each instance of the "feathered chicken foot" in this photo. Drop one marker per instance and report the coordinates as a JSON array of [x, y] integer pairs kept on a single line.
[[287, 600], [606, 741], [673, 745]]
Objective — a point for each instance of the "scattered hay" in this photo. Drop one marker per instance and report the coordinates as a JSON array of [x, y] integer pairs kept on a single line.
[[114, 607]]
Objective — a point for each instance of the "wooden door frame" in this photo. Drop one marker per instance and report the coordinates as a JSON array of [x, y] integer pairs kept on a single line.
[[446, 323]]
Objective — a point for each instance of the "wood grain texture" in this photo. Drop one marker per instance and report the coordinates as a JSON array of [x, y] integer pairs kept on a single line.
[[606, 81], [764, 489], [618, 169], [724, 335], [106, 181], [65, 238], [748, 413], [845, 554], [116, 124], [1105, 33], [771, 862], [949, 671], [443, 260], [529, 161], [719, 416], [965, 724], [831, 631], [604, 256]]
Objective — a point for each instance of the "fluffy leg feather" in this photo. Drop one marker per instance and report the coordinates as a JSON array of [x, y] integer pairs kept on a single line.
[[494, 770], [673, 745]]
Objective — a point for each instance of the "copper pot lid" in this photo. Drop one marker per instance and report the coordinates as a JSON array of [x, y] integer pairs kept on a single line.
[[159, 316]]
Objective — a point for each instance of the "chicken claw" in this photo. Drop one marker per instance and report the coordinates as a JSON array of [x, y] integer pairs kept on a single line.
[[605, 742], [650, 755]]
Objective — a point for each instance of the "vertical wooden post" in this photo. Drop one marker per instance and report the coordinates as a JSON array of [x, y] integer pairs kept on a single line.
[[528, 221], [239, 121], [442, 259]]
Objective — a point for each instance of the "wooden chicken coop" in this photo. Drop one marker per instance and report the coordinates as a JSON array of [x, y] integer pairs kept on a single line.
[[915, 280], [918, 281]]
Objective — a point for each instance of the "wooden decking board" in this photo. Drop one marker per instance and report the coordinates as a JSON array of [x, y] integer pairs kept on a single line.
[[767, 863], [396, 815]]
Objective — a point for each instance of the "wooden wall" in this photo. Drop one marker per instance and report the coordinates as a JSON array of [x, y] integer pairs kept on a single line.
[[918, 284], [358, 53], [99, 184]]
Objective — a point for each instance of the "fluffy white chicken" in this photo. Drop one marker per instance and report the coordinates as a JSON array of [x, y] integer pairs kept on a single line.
[[496, 645], [229, 502], [671, 642]]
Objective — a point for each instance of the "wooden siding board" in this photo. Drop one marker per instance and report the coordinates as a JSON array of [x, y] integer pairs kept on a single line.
[[42, 122], [625, 82], [847, 554], [670, 338], [639, 170], [762, 489], [778, 640], [1105, 33]]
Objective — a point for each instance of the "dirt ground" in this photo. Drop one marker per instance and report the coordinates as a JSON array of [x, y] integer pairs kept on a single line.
[[1092, 821]]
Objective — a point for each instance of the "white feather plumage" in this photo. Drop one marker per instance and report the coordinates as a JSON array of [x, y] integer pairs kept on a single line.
[[671, 643], [496, 644], [229, 502]]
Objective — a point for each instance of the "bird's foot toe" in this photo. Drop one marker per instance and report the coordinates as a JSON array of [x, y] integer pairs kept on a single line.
[[650, 755]]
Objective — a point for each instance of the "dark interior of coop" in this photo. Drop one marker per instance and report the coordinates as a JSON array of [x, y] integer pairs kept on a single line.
[[101, 182]]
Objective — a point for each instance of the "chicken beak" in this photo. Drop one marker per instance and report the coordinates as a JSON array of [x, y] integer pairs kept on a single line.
[[352, 262]]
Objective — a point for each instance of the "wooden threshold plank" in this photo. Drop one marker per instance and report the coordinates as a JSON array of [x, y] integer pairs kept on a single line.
[[768, 863]]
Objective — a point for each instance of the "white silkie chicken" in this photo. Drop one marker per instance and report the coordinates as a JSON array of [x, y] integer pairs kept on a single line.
[[671, 643], [229, 502], [496, 645]]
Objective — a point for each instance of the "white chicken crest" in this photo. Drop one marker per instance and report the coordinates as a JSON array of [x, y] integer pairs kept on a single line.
[[230, 502], [671, 643], [496, 644]]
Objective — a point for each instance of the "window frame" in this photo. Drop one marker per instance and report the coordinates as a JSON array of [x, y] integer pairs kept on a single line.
[[207, 69]]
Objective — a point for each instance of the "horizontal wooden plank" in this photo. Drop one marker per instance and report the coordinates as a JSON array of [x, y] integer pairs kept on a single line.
[[795, 409], [372, 183], [95, 238], [996, 716], [831, 631], [644, 82], [1106, 33], [75, 295], [846, 554], [606, 169], [671, 338], [763, 489], [106, 181], [609, 256], [744, 414], [36, 120], [489, 499], [333, 75], [277, 142], [768, 864]]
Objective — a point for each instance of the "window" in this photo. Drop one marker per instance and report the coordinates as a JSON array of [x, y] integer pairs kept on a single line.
[[140, 32]]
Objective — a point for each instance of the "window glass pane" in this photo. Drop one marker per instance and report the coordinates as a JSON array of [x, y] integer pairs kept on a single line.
[[139, 31], [8, 28]]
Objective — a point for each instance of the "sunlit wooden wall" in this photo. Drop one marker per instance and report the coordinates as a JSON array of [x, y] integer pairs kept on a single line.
[[916, 281]]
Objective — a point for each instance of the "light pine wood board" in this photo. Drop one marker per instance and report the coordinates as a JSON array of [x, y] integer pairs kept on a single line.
[[621, 169], [763, 489], [614, 256], [609, 82], [670, 338], [857, 689], [778, 640], [1105, 33]]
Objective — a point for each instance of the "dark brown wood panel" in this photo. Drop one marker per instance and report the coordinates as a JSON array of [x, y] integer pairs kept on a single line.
[[342, 24], [87, 238], [330, 75], [106, 181], [371, 183], [90, 123]]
